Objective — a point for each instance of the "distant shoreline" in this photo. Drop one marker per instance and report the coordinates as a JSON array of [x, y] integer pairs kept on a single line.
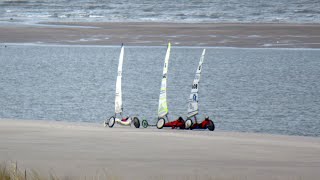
[[249, 35]]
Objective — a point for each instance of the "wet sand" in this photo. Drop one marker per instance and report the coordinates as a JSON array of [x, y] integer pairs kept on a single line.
[[180, 34], [79, 150]]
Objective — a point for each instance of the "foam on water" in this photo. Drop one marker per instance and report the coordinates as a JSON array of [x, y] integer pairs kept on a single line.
[[293, 11]]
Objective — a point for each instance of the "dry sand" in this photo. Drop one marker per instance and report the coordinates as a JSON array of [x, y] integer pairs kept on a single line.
[[180, 34], [81, 150]]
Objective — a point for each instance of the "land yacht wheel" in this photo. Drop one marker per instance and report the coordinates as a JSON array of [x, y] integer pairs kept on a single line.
[[211, 126], [188, 123], [111, 122], [136, 122], [160, 123], [145, 123]]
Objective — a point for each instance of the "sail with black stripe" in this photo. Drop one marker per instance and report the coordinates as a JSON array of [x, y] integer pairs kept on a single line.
[[193, 108]]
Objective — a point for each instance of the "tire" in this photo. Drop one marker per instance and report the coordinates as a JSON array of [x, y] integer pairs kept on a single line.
[[160, 123], [111, 122], [211, 126], [136, 122], [145, 123], [188, 124]]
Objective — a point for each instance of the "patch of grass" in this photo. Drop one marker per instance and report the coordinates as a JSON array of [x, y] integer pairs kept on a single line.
[[7, 173], [12, 172]]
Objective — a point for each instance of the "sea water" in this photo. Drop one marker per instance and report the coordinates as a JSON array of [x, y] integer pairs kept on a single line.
[[248, 90], [283, 11]]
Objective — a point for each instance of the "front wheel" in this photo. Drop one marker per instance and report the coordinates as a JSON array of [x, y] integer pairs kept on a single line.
[[160, 123], [111, 122], [136, 122], [188, 123], [145, 123], [211, 126]]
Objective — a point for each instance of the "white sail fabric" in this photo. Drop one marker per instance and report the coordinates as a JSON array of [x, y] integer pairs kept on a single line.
[[118, 99], [163, 106], [193, 108]]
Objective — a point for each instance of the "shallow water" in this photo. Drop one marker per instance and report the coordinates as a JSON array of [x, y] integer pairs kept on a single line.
[[250, 90], [293, 11]]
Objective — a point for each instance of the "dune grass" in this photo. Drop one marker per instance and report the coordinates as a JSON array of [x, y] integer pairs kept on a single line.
[[8, 173], [12, 172]]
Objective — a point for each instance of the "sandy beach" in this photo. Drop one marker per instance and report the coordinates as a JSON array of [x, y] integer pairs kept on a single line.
[[79, 150], [261, 35]]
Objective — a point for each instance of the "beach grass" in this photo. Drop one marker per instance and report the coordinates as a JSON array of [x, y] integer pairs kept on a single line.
[[10, 171]]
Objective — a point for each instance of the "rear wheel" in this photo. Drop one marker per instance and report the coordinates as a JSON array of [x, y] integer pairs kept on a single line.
[[136, 122], [188, 123], [160, 123], [145, 123], [111, 122], [211, 126]]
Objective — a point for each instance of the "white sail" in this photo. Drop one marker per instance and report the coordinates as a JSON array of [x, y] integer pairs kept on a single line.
[[193, 108], [118, 99], [163, 106]]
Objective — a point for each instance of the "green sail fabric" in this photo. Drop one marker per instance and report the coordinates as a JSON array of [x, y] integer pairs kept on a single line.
[[163, 106]]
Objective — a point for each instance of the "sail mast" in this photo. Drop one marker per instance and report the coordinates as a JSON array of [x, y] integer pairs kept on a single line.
[[118, 98], [163, 106], [193, 108]]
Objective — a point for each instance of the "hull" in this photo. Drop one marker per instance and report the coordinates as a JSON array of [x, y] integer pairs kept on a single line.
[[124, 123], [175, 124], [206, 124]]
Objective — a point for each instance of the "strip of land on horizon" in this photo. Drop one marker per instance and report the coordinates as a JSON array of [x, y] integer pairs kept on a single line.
[[251, 35]]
